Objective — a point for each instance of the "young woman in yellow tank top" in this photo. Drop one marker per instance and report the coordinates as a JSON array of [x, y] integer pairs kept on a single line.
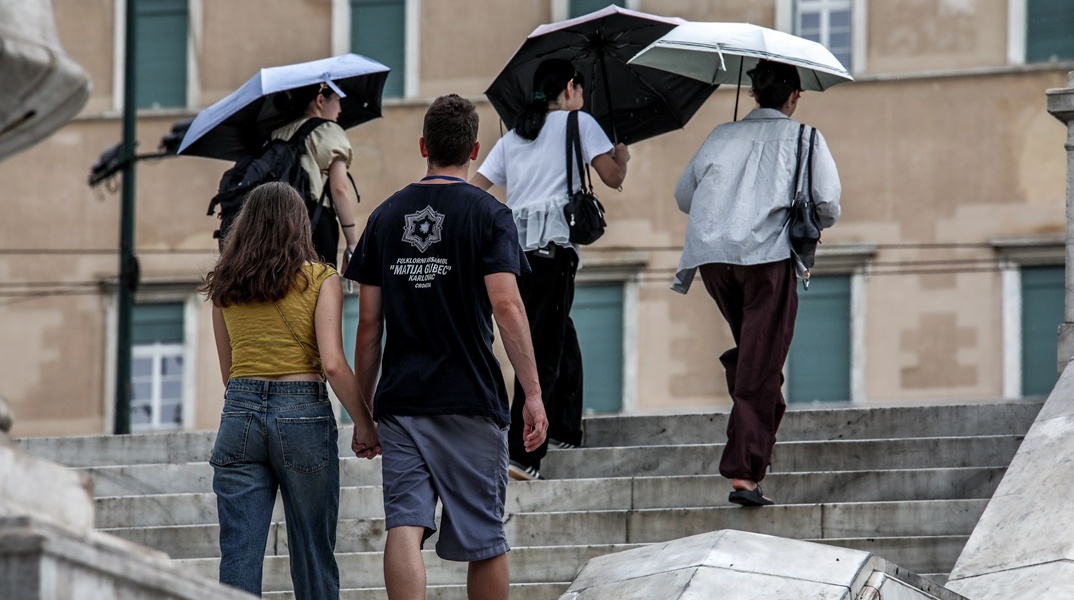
[[277, 319]]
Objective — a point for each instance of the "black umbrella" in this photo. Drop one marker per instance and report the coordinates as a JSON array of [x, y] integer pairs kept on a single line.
[[631, 103]]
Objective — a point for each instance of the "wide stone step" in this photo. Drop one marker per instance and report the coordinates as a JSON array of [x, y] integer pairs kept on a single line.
[[923, 554], [362, 572], [631, 461], [604, 494], [536, 565], [519, 591], [840, 455], [986, 418], [571, 528]]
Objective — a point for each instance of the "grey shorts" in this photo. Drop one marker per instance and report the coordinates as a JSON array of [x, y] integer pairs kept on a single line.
[[460, 460]]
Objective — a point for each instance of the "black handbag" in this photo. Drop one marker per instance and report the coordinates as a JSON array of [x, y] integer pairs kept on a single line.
[[585, 214], [804, 227]]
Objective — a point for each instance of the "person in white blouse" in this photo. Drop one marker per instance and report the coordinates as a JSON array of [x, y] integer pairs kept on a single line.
[[530, 163], [737, 192]]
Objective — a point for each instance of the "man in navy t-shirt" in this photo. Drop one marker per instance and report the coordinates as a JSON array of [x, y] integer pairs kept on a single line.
[[437, 260]]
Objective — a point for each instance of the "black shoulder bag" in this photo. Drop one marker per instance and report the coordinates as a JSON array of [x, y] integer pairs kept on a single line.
[[804, 227], [585, 214]]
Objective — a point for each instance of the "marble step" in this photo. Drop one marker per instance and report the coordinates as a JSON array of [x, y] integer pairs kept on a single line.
[[572, 528], [950, 420], [986, 418], [630, 461], [604, 494], [519, 591]]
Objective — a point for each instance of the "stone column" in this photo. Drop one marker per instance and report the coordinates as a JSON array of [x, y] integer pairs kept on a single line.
[[1061, 106]]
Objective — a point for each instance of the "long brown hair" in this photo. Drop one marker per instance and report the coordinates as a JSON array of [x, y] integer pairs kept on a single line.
[[265, 251]]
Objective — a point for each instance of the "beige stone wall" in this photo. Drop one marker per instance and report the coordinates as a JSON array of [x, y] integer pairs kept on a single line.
[[924, 160]]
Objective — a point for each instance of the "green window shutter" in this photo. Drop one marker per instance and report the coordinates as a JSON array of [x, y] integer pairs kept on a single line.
[[160, 47], [598, 319], [378, 30], [584, 7], [157, 322], [1049, 30], [818, 368], [1042, 312]]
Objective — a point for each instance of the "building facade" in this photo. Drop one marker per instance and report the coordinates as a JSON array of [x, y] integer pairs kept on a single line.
[[943, 279]]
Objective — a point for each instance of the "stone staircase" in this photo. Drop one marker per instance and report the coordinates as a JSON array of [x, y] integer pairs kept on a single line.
[[906, 483]]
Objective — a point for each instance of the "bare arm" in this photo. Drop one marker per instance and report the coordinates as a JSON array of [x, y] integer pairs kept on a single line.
[[612, 166], [328, 325], [367, 341], [515, 331], [223, 343], [479, 180], [344, 200]]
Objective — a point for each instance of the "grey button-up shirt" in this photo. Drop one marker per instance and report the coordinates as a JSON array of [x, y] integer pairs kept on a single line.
[[737, 193]]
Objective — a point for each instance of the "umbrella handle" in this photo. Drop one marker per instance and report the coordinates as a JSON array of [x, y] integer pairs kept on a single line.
[[738, 90]]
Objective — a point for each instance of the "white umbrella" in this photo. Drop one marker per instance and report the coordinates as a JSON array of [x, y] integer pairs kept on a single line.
[[240, 123], [724, 52]]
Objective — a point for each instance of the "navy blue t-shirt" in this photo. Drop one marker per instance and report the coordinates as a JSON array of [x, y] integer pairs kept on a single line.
[[428, 248]]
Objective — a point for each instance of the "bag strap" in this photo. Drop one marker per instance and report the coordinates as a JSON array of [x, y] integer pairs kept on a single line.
[[309, 356], [574, 152], [809, 163], [797, 162]]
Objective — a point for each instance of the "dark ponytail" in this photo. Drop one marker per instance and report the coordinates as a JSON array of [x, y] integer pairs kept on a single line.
[[551, 78], [773, 83]]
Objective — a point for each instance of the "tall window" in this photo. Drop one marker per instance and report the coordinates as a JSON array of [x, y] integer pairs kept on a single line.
[[157, 363], [598, 318], [827, 22], [378, 30], [818, 368], [577, 8], [1042, 312], [160, 53], [1049, 24]]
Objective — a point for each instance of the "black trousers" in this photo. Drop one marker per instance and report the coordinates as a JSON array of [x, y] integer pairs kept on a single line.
[[759, 303], [548, 293]]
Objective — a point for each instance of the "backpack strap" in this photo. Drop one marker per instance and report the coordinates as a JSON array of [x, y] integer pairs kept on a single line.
[[306, 129], [809, 162]]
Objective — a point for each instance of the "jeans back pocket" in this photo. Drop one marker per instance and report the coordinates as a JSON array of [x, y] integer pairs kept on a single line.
[[307, 443], [230, 445]]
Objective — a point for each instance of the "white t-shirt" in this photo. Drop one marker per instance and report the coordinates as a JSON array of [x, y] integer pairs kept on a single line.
[[534, 173]]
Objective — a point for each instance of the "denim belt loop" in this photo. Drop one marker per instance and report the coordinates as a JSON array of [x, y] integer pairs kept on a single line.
[[265, 390]]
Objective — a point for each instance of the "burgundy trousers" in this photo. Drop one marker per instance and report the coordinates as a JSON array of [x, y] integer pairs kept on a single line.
[[759, 303]]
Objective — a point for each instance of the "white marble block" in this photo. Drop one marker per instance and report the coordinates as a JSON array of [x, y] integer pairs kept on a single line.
[[735, 565]]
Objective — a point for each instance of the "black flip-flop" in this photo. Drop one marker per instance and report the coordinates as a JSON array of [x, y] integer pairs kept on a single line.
[[754, 497]]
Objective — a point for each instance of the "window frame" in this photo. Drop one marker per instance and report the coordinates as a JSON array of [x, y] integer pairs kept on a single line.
[[195, 21], [158, 351], [1014, 254], [341, 42], [1017, 34], [853, 261], [149, 293], [625, 268], [785, 21]]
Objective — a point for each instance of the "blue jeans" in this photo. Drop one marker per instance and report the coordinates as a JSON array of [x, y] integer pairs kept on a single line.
[[278, 434]]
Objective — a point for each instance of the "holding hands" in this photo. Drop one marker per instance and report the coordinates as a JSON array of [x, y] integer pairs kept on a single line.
[[364, 441]]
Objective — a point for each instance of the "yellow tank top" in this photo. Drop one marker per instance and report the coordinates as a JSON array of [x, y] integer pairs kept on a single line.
[[261, 343]]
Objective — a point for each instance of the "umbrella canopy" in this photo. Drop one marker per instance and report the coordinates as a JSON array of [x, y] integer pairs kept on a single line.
[[241, 123], [723, 52], [630, 103]]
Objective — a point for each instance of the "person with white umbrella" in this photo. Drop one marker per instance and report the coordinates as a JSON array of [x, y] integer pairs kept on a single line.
[[736, 191], [326, 161]]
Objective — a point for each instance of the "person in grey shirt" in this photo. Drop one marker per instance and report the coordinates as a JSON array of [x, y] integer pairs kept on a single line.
[[737, 192]]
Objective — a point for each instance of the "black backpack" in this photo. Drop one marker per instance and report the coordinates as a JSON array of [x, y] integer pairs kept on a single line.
[[278, 161]]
